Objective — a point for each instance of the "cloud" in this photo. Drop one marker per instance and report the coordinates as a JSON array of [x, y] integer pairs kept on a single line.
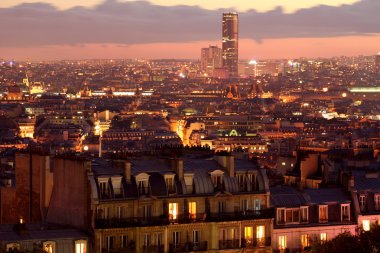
[[127, 23]]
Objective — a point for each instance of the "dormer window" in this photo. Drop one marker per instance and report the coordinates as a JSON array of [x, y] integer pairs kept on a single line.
[[377, 201], [323, 213], [117, 187], [241, 181], [104, 187], [304, 214], [362, 202], [345, 212], [142, 181], [169, 181], [217, 179]]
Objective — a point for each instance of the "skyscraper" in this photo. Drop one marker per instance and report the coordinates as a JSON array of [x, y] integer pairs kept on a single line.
[[211, 58], [230, 43]]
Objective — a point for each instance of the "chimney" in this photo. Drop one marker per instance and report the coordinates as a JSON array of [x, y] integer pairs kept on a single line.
[[127, 171], [179, 168], [351, 182], [230, 165]]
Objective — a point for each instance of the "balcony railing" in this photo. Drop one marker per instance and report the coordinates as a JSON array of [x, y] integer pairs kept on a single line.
[[124, 250], [188, 247], [229, 244], [182, 219], [153, 249], [256, 242]]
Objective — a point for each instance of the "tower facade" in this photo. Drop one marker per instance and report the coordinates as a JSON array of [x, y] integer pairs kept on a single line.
[[230, 42], [211, 58]]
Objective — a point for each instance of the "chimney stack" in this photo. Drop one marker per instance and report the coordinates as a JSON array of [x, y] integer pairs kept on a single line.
[[127, 171]]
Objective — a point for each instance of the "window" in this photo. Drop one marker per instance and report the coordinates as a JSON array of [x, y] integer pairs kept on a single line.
[[120, 211], [147, 212], [143, 187], [193, 210], [377, 202], [217, 181], [176, 239], [241, 181], [248, 235], [292, 215], [304, 214], [196, 237], [13, 246], [282, 242], [260, 235], [366, 225], [362, 202], [49, 247], [169, 180], [323, 214], [280, 215], [257, 204], [323, 237], [222, 234], [173, 211], [244, 205], [158, 239], [103, 188], [110, 242], [221, 205], [146, 240], [305, 241], [81, 246], [345, 212], [123, 241]]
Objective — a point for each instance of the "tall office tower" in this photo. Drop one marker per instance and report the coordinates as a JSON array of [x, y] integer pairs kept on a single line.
[[230, 43], [377, 63], [211, 58]]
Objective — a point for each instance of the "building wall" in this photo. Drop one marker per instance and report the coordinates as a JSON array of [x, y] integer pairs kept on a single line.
[[69, 202]]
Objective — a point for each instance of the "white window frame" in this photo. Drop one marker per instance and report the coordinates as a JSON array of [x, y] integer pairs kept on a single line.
[[342, 207]]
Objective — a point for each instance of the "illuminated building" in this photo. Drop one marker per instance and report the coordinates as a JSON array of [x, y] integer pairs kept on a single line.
[[230, 43], [211, 58]]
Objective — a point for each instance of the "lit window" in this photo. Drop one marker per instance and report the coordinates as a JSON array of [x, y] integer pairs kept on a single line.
[[193, 210], [49, 247], [323, 214], [282, 242], [13, 246], [366, 225], [248, 235], [305, 240], [260, 235], [173, 211], [323, 237], [81, 246]]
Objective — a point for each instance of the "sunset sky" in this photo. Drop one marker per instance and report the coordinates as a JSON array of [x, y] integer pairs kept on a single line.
[[60, 29]]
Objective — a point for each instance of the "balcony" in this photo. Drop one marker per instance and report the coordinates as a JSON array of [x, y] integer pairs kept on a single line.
[[256, 242], [229, 244], [124, 250], [131, 222], [153, 249], [182, 219], [237, 216], [188, 247]]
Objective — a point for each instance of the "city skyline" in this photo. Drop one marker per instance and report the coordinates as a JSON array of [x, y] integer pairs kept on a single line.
[[94, 30]]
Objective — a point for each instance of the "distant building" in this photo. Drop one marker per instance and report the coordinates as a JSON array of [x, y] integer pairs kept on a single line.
[[230, 42], [211, 58], [377, 63]]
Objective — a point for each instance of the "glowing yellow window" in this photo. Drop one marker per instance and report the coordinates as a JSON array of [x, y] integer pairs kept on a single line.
[[305, 241], [248, 235], [282, 242], [260, 235], [173, 211], [323, 237], [80, 246], [366, 225], [193, 210]]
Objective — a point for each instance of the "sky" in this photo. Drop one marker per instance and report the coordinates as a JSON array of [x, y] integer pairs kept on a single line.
[[89, 29]]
